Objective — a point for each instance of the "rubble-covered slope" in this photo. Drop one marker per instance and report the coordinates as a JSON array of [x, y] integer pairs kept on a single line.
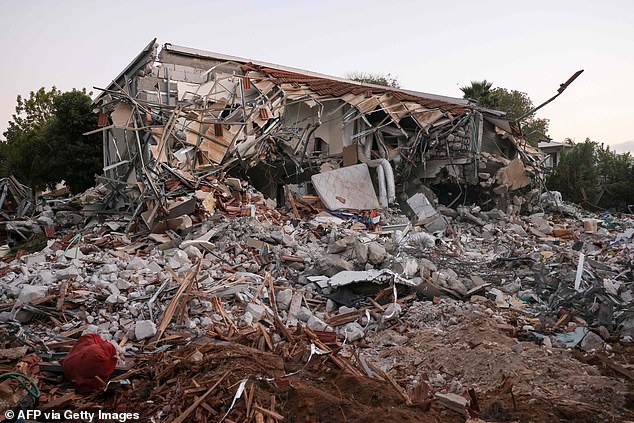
[[499, 317]]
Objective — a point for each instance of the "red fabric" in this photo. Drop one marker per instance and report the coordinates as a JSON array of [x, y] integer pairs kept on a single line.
[[90, 356]]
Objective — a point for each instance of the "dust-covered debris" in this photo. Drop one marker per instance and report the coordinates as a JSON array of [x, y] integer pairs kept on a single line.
[[229, 287]]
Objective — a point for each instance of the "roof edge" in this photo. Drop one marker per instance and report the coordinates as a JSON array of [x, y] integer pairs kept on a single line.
[[192, 52]]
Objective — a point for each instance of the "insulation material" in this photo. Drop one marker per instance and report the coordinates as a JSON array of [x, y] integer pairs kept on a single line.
[[192, 132], [264, 85], [366, 105], [217, 141], [346, 188]]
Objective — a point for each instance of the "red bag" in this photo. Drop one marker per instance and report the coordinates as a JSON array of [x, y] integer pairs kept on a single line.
[[91, 356]]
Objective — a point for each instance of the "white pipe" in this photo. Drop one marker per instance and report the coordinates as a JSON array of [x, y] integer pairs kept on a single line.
[[389, 179], [382, 191], [385, 174], [369, 140], [361, 150]]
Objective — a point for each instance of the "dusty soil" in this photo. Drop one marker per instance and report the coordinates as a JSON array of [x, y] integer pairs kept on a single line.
[[166, 385], [546, 385], [514, 380]]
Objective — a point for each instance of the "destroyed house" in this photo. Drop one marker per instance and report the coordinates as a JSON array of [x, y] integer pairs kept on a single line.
[[193, 115]]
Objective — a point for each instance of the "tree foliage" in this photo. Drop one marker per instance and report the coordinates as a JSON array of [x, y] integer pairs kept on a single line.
[[592, 175], [514, 103], [385, 79], [32, 113], [479, 91], [44, 143]]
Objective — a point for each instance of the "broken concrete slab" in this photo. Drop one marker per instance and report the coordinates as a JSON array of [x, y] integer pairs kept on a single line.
[[346, 188], [452, 401], [381, 276]]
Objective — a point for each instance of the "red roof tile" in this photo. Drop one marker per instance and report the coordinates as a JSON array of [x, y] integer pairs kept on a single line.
[[336, 88]]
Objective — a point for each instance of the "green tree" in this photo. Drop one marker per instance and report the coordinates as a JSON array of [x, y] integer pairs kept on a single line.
[[76, 157], [20, 153], [576, 175], [44, 143], [616, 179], [481, 92], [594, 176], [385, 79], [514, 103], [32, 114]]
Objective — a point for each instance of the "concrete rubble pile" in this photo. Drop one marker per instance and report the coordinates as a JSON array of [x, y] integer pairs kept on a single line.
[[271, 282], [249, 268]]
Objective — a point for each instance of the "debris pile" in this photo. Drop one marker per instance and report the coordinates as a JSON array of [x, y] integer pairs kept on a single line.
[[276, 311], [269, 244]]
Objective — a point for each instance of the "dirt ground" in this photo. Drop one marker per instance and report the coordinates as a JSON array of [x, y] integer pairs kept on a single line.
[[546, 384], [515, 381]]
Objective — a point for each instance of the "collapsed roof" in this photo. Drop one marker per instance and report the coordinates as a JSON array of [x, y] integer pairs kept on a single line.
[[193, 115]]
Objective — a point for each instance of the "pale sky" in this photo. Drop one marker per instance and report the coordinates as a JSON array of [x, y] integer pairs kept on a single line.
[[431, 46]]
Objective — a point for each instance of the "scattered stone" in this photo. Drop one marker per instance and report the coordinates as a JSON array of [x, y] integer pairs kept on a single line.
[[361, 252], [427, 268], [283, 299], [345, 309], [68, 272], [144, 329], [376, 253], [109, 268], [256, 310], [457, 286], [32, 293], [47, 277], [316, 323], [154, 267], [33, 259], [353, 331], [304, 314], [338, 246], [452, 401], [45, 221], [112, 299], [137, 263], [247, 318], [518, 229], [331, 264], [330, 305], [592, 342], [392, 312]]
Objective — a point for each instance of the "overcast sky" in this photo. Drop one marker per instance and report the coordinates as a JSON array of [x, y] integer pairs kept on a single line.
[[431, 46]]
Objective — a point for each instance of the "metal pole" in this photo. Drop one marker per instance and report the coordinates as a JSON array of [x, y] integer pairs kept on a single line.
[[561, 89]]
